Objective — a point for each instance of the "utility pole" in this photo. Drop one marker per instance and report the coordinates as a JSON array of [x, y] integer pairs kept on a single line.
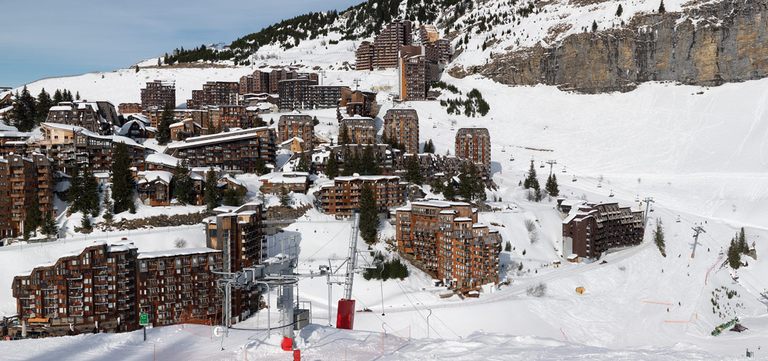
[[551, 164], [648, 201], [696, 231]]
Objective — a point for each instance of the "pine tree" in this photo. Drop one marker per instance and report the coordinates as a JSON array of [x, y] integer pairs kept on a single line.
[[594, 26], [662, 10], [734, 255], [619, 11], [743, 245], [233, 196], [85, 224], [24, 111], [163, 135], [449, 192], [90, 193], [303, 165], [531, 181], [108, 212], [369, 215], [77, 96], [75, 191], [50, 229], [212, 194], [260, 167], [33, 218], [658, 238], [57, 97], [44, 104], [122, 181], [332, 167], [285, 197], [429, 147], [478, 187], [368, 165], [182, 185], [551, 186], [466, 188], [508, 247], [413, 172]]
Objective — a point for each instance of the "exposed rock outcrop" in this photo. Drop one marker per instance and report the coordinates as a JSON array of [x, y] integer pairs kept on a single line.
[[714, 44]]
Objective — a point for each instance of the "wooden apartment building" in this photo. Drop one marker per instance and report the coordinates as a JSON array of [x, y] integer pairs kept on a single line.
[[106, 287], [360, 130], [24, 183], [342, 197], [159, 94], [591, 229], [214, 93], [474, 144], [444, 239], [299, 126], [402, 127], [236, 150]]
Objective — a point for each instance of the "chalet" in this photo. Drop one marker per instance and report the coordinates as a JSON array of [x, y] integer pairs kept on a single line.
[[154, 187], [97, 117], [274, 183], [137, 129], [294, 145], [184, 129]]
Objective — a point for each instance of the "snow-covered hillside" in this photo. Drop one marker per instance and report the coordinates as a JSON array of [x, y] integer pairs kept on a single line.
[[701, 153], [193, 342]]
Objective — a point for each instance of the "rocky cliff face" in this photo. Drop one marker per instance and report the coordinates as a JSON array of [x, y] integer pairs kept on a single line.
[[714, 44]]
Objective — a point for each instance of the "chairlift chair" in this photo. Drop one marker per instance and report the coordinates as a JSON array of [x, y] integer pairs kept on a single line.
[[574, 178], [611, 195]]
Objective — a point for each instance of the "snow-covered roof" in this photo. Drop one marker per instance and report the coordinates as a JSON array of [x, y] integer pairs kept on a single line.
[[261, 106], [285, 178], [127, 126], [176, 252], [154, 175], [232, 135], [59, 108], [164, 159], [231, 179], [14, 134], [289, 141], [438, 203], [366, 178], [462, 219], [86, 132]]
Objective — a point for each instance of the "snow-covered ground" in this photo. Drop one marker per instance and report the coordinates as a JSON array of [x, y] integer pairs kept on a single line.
[[193, 342], [701, 153]]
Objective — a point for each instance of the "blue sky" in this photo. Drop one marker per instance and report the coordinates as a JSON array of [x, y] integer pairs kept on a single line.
[[45, 38]]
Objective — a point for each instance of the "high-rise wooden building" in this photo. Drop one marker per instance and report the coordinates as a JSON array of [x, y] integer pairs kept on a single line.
[[297, 125], [402, 127], [445, 239], [474, 144], [342, 198], [159, 94]]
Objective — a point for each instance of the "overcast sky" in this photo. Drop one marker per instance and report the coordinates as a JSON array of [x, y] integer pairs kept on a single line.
[[45, 38]]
